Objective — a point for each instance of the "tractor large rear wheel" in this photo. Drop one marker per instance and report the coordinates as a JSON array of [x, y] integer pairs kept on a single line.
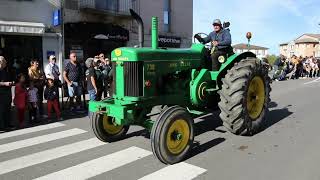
[[172, 135], [105, 130], [245, 96]]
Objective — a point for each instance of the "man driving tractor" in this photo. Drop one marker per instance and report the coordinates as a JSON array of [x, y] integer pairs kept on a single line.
[[220, 39]]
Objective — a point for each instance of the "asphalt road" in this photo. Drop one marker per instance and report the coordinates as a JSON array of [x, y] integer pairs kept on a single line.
[[288, 147]]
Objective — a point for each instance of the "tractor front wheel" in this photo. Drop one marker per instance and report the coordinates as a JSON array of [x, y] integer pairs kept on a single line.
[[105, 129], [172, 135], [245, 95]]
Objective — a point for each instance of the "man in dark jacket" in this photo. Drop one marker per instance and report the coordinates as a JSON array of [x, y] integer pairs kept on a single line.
[[220, 39], [106, 69], [5, 96]]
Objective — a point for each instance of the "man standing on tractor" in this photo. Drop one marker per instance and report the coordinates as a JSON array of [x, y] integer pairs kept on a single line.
[[220, 39]]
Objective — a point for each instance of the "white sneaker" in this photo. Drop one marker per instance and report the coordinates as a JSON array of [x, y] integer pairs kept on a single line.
[[60, 119], [44, 116]]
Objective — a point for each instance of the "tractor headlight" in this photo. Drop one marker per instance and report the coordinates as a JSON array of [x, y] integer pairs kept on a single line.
[[221, 59]]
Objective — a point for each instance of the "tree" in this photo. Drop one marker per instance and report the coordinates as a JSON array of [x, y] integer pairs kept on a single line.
[[271, 59]]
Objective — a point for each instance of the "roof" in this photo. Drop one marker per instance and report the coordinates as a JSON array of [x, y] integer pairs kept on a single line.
[[314, 35], [286, 43], [306, 40], [314, 38], [245, 46]]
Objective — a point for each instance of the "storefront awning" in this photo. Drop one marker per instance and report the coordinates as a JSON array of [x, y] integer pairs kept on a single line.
[[21, 27]]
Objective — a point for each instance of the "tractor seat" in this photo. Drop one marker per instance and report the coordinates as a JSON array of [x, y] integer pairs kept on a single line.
[[230, 52]]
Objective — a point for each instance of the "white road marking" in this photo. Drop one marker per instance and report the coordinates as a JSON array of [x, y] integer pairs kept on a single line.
[[40, 139], [313, 81], [100, 165], [180, 171], [30, 130], [44, 156]]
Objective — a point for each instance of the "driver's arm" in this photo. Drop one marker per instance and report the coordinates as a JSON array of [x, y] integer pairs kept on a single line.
[[207, 39]]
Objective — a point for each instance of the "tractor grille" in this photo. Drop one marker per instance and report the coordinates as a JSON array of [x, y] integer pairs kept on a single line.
[[113, 82], [133, 78]]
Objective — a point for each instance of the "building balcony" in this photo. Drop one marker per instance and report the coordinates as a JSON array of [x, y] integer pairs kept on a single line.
[[109, 7]]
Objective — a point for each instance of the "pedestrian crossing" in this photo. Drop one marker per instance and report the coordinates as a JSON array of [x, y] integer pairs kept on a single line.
[[38, 140], [30, 130], [102, 163]]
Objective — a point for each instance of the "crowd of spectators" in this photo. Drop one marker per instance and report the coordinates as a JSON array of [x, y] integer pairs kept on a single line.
[[32, 87], [295, 67], [98, 77]]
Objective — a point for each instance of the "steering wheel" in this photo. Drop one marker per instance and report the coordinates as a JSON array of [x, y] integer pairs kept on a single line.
[[202, 35]]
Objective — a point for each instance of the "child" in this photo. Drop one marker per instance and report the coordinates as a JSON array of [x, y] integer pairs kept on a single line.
[[20, 99], [33, 101], [51, 94]]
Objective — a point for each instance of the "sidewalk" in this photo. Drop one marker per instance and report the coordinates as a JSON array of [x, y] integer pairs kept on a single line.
[[66, 114]]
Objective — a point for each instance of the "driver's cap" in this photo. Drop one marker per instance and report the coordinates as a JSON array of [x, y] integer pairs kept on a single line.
[[216, 21]]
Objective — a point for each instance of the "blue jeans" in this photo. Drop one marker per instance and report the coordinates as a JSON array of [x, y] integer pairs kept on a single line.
[[75, 89], [92, 96]]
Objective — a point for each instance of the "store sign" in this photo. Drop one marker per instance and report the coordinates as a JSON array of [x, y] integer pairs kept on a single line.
[[49, 53], [169, 41], [112, 37], [56, 17], [99, 31], [118, 37]]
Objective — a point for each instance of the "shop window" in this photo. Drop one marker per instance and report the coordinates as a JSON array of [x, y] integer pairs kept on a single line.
[[21, 49]]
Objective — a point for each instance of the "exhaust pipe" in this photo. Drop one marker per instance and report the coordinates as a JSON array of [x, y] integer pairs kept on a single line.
[[140, 26], [154, 33]]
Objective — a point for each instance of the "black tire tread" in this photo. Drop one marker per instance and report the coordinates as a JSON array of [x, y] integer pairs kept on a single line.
[[157, 129], [234, 88], [101, 134]]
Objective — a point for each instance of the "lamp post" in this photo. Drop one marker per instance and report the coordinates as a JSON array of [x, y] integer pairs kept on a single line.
[[62, 30]]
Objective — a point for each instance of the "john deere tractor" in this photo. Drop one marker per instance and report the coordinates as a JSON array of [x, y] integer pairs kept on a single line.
[[180, 80]]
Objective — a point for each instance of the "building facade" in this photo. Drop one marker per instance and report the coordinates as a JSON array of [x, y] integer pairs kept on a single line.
[[260, 51], [305, 45], [27, 31], [35, 29], [94, 26]]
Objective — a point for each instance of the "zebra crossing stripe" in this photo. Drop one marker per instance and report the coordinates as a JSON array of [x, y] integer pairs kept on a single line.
[[186, 172], [40, 139], [100, 165], [30, 130], [47, 155]]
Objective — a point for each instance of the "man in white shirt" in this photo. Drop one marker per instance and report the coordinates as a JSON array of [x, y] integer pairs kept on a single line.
[[52, 69]]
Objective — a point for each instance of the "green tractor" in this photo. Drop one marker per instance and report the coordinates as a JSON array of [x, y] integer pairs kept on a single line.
[[179, 80]]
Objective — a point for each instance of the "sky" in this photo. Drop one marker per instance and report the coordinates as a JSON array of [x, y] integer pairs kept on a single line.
[[271, 21]]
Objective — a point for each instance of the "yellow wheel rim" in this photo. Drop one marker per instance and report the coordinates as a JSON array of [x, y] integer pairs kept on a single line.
[[178, 136], [255, 97], [109, 127]]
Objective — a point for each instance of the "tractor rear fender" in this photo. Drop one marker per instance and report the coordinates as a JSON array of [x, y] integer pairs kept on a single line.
[[217, 75]]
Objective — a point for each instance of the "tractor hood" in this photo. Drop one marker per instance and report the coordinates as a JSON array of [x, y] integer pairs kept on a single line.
[[148, 54]]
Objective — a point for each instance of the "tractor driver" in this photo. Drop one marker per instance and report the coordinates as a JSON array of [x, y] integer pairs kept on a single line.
[[220, 39]]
